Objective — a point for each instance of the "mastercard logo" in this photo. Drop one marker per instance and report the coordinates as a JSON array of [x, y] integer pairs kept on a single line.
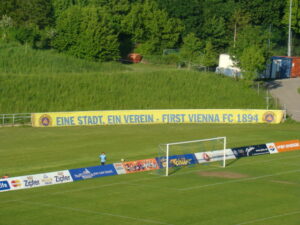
[[16, 183]]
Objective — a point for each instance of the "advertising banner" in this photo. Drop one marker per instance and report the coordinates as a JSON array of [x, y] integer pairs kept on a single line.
[[92, 118], [177, 160], [272, 148], [287, 146], [92, 172], [252, 150], [38, 180], [140, 165], [213, 156]]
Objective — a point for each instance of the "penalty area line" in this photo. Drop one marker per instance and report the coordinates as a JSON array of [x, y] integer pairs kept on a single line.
[[238, 180], [268, 218], [149, 221]]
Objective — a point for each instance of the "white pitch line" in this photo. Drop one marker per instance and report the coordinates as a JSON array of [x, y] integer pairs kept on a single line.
[[95, 212], [268, 218], [238, 180]]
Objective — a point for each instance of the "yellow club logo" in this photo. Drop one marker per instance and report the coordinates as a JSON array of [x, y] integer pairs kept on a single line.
[[45, 120], [269, 117]]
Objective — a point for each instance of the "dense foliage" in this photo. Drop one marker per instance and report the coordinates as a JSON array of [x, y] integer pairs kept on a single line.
[[105, 30]]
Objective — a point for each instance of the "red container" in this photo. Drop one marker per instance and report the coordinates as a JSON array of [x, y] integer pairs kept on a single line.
[[135, 58], [295, 71]]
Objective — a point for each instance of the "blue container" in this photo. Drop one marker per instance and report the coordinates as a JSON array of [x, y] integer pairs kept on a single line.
[[280, 67]]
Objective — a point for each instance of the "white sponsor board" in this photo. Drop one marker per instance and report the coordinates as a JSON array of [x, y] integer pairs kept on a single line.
[[120, 168], [213, 156], [38, 180], [272, 148]]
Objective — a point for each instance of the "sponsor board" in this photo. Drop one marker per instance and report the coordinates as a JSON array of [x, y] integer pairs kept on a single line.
[[38, 180], [177, 160], [287, 146], [4, 185], [119, 168], [252, 150], [140, 165], [213, 156], [92, 172], [272, 148], [92, 118]]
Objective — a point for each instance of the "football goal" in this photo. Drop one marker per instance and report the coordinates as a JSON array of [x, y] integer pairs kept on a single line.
[[187, 153]]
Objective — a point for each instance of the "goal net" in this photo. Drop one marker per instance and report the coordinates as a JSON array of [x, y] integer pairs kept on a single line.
[[188, 153]]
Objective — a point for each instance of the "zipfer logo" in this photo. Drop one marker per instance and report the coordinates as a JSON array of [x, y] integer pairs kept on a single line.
[[4, 185]]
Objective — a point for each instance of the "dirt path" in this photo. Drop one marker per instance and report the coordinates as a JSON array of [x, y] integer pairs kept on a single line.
[[286, 91]]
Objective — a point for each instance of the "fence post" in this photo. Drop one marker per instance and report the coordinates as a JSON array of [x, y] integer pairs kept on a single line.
[[284, 112]]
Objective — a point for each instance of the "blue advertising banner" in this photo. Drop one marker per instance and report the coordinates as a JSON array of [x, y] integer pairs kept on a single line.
[[4, 185], [177, 160], [252, 150], [92, 172]]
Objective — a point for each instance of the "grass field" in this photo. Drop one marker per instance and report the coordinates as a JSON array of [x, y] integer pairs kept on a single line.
[[265, 190]]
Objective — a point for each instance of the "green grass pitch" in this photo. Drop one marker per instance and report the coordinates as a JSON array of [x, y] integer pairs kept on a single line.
[[261, 190]]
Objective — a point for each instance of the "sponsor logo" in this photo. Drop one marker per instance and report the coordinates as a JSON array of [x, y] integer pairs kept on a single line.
[[272, 148], [286, 146], [250, 150], [61, 177], [205, 156], [47, 180], [4, 185], [86, 174], [180, 162], [140, 165], [177, 160], [269, 117], [16, 183], [30, 182], [45, 120], [213, 156]]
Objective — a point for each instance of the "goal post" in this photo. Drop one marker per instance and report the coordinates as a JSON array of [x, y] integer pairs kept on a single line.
[[186, 153]]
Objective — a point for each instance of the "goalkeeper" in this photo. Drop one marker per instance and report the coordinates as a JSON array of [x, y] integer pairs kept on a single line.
[[102, 158]]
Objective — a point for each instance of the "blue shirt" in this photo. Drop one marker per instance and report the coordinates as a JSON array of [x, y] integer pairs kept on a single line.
[[102, 158]]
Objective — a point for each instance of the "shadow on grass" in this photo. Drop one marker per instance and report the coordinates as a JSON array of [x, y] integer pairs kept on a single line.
[[232, 162]]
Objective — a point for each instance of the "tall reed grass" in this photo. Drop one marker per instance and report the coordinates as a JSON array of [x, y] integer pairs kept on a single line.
[[18, 59], [43, 81], [113, 91]]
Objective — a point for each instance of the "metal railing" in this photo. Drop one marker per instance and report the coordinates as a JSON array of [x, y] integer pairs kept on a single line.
[[16, 119]]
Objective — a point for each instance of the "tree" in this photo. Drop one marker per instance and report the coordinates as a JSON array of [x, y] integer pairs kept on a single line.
[[214, 30], [251, 36], [252, 62], [264, 12], [190, 12], [28, 13], [151, 28], [238, 20], [209, 57], [87, 32], [191, 48]]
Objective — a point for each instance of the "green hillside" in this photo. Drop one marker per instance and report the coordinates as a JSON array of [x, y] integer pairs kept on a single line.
[[41, 81]]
